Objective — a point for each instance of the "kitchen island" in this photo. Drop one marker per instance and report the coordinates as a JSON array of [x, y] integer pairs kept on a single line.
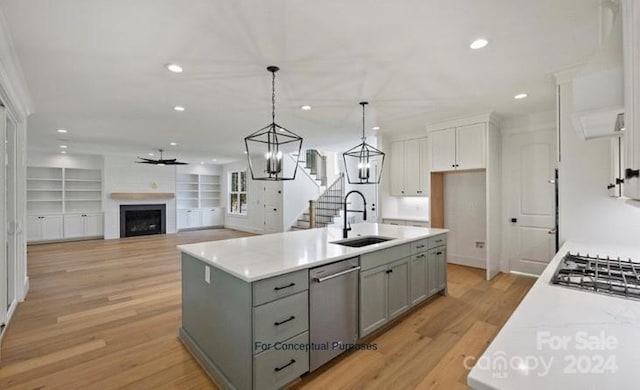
[[243, 294], [565, 338]]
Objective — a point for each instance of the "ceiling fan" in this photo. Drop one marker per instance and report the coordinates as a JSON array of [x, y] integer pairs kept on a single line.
[[160, 161]]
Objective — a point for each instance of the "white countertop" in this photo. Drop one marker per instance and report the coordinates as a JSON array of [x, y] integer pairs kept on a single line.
[[551, 315], [260, 257]]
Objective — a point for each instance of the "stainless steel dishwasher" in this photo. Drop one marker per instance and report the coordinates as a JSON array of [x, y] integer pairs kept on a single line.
[[333, 310]]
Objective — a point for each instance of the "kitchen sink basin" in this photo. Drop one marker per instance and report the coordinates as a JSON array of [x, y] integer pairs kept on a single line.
[[359, 242]]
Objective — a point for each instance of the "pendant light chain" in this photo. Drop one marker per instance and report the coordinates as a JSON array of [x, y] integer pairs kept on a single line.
[[273, 97], [363, 108]]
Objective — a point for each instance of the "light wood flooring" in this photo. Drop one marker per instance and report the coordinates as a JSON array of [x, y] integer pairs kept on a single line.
[[105, 315]]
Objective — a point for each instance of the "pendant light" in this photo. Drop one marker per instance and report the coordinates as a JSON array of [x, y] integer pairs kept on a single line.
[[363, 163], [267, 148]]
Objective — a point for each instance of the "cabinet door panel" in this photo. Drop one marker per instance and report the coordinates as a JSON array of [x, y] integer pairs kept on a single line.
[[34, 228], [52, 227], [442, 267], [211, 217], [443, 150], [412, 169], [425, 168], [373, 299], [193, 219], [432, 272], [183, 222], [93, 225], [398, 290], [418, 278], [397, 168], [471, 142], [73, 226]]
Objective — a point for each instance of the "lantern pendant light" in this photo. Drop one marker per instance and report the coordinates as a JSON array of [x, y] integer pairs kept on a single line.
[[267, 147], [363, 163]]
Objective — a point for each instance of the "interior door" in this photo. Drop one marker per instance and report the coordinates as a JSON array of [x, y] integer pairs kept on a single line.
[[272, 204], [531, 165], [5, 222]]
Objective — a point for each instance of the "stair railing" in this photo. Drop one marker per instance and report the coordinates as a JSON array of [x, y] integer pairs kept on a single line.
[[328, 204]]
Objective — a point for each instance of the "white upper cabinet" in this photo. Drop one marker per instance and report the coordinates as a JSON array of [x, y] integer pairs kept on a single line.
[[471, 146], [443, 150], [410, 168], [459, 148]]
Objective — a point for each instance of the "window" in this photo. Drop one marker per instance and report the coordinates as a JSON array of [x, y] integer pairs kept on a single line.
[[238, 192]]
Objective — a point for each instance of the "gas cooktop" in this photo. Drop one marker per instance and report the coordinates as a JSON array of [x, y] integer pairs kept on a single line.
[[617, 277]]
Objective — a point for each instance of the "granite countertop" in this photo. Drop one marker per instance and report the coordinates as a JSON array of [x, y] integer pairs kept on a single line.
[[260, 257], [562, 338]]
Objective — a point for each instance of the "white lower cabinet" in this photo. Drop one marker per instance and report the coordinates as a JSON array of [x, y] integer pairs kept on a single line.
[[44, 228], [83, 225], [189, 219], [197, 218], [212, 216], [404, 222]]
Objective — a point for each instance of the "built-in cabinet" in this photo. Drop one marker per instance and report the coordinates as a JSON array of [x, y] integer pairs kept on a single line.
[[405, 222], [394, 279], [458, 148], [410, 167], [631, 49], [198, 199], [63, 203]]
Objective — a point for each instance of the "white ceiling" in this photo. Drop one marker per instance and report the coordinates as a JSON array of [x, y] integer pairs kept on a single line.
[[96, 67]]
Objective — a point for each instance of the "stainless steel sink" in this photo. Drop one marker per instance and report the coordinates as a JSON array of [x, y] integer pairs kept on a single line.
[[358, 242]]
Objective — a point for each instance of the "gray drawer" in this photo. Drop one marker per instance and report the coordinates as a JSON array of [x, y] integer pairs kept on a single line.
[[281, 286], [419, 246], [384, 256], [280, 320], [437, 241], [275, 368]]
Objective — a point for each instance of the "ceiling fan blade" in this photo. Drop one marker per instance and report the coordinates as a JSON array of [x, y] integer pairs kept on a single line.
[[146, 159], [147, 162]]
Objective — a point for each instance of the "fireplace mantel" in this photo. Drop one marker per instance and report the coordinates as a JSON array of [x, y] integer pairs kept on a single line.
[[141, 195]]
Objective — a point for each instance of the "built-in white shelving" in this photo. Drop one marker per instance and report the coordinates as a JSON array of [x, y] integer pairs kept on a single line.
[[198, 191], [63, 190]]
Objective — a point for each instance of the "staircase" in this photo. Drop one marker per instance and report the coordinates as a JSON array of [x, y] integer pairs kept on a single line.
[[322, 211]]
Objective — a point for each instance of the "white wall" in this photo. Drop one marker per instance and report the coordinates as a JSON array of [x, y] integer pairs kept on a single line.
[[587, 213], [465, 216], [122, 174], [37, 158], [253, 222]]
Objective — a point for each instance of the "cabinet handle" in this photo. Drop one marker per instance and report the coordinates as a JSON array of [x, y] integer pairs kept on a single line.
[[438, 253], [275, 209], [402, 192], [283, 287], [389, 271], [284, 321], [420, 246], [419, 256], [277, 369]]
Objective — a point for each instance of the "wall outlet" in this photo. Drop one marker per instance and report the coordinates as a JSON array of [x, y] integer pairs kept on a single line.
[[207, 274], [479, 244]]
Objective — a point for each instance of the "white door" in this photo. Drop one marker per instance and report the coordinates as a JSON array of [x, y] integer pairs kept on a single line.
[[471, 146], [397, 168], [52, 227], [531, 164], [412, 167], [443, 150], [272, 205], [73, 226], [93, 225]]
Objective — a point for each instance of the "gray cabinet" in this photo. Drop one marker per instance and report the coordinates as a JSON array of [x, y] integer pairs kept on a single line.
[[436, 270], [384, 295], [418, 271], [398, 287], [441, 256], [373, 299]]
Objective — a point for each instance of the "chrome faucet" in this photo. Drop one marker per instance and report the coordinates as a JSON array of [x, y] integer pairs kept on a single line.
[[347, 226]]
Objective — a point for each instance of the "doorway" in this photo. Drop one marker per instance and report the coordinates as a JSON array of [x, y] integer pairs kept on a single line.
[[531, 164]]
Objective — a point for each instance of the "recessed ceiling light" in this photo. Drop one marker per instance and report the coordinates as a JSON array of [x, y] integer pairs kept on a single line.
[[305, 107], [61, 130], [172, 143], [150, 154], [213, 159], [175, 68], [63, 146], [64, 152], [178, 108], [479, 43], [375, 128], [520, 96], [245, 152]]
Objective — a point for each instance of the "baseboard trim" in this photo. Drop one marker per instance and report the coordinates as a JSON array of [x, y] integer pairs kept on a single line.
[[212, 371], [467, 261], [25, 289], [524, 274], [66, 240], [242, 229]]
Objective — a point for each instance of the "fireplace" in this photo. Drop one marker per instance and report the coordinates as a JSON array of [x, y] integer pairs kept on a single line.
[[142, 220]]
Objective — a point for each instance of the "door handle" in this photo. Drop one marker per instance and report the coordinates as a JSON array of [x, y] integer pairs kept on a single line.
[[553, 231], [347, 271]]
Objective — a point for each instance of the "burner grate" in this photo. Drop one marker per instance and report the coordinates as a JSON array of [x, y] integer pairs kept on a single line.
[[603, 275]]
